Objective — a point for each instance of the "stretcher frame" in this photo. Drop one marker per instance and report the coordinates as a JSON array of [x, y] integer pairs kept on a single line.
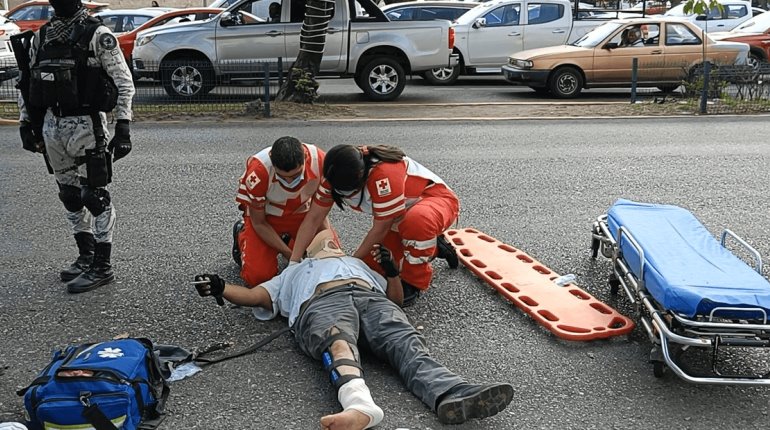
[[672, 332]]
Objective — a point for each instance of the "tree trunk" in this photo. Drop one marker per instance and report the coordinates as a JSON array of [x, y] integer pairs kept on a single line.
[[301, 86]]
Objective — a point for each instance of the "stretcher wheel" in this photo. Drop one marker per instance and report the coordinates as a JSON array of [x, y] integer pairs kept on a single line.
[[606, 251], [614, 284], [594, 248], [658, 369]]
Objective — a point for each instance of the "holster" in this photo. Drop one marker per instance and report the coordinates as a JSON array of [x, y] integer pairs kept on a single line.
[[98, 159]]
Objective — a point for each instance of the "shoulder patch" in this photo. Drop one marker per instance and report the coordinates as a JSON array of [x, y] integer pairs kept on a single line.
[[108, 41], [252, 180], [383, 187]]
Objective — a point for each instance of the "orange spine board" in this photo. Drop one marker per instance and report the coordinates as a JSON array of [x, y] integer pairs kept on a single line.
[[568, 311]]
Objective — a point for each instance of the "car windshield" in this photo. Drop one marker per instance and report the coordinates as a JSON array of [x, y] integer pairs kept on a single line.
[[597, 35], [758, 24]]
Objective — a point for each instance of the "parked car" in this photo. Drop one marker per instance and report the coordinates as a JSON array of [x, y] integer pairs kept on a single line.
[[34, 13], [672, 51], [176, 16], [755, 32], [487, 34], [124, 20], [427, 10], [191, 59], [7, 29], [733, 14]]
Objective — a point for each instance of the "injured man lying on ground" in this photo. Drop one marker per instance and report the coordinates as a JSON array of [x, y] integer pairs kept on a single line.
[[329, 299]]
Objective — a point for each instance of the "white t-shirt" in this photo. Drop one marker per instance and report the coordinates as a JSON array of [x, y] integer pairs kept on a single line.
[[297, 283]]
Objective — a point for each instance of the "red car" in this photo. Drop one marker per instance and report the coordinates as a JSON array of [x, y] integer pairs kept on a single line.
[[126, 40], [33, 14], [755, 32]]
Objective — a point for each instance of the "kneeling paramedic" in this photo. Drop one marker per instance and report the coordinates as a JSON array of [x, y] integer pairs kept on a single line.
[[330, 299], [71, 72]]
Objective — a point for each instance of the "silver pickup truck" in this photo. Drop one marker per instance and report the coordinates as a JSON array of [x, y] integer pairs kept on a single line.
[[192, 58]]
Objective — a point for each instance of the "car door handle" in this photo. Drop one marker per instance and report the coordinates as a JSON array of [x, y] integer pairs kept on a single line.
[[657, 51], [333, 30], [514, 34], [273, 33], [558, 32]]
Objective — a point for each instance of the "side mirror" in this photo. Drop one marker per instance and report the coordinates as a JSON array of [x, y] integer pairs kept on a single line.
[[481, 22], [226, 19], [701, 18], [611, 45]]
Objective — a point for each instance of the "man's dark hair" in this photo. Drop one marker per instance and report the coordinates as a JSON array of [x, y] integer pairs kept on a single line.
[[287, 153]]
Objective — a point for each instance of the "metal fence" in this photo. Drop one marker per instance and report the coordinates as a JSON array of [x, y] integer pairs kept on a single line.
[[246, 88], [185, 87], [708, 88]]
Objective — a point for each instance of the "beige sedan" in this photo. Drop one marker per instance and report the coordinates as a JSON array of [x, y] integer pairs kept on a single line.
[[668, 50]]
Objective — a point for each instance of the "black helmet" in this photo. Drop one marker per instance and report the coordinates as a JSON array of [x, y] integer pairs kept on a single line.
[[66, 8]]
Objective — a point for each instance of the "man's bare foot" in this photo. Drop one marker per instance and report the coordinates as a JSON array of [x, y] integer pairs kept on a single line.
[[350, 419]]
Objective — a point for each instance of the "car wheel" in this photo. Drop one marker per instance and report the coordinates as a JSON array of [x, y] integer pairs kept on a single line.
[[382, 79], [187, 79], [442, 75], [668, 88], [757, 65], [566, 83]]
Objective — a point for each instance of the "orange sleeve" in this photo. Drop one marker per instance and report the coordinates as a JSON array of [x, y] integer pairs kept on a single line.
[[386, 187], [252, 187]]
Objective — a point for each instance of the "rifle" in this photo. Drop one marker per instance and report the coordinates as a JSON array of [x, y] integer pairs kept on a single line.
[[20, 44]]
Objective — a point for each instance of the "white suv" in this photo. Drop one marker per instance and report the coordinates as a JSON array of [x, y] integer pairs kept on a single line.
[[733, 14]]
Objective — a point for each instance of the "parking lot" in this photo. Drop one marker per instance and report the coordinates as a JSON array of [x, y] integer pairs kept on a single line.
[[536, 185]]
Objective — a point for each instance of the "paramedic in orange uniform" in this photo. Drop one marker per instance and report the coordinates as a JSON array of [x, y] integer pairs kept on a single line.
[[274, 194], [410, 205]]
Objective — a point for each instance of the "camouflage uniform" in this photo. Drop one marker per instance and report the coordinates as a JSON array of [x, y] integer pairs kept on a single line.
[[67, 138]]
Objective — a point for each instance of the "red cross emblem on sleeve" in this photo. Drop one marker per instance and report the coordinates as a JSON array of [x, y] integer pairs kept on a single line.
[[383, 187]]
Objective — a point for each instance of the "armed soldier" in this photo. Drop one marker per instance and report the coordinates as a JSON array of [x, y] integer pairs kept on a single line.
[[72, 72]]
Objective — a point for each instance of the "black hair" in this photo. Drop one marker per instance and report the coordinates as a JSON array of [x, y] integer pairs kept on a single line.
[[346, 167], [287, 153]]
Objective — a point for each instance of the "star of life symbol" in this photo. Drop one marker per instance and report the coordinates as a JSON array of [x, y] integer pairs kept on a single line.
[[252, 180], [383, 187], [110, 353]]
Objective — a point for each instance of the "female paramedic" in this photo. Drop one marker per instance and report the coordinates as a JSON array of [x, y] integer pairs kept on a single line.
[[410, 205]]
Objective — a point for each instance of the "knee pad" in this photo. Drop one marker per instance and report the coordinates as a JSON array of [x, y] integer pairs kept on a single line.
[[96, 200], [331, 364], [70, 196]]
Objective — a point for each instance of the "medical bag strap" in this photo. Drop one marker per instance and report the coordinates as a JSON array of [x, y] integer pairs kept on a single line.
[[97, 419], [203, 361]]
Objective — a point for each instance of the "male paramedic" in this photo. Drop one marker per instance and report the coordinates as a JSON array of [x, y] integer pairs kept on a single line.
[[329, 298], [274, 195]]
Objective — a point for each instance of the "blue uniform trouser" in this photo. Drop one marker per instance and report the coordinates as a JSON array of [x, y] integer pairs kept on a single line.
[[370, 317]]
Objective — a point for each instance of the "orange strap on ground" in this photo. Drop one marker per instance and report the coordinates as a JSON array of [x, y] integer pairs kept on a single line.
[[569, 312]]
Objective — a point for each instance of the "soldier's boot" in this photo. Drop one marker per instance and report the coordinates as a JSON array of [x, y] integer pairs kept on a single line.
[[98, 274], [86, 244]]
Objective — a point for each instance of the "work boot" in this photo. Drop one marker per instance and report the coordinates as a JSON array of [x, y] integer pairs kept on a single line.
[[85, 242], [467, 401], [411, 293], [446, 251], [98, 274], [237, 227]]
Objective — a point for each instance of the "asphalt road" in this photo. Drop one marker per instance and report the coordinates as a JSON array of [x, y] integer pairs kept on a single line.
[[536, 185]]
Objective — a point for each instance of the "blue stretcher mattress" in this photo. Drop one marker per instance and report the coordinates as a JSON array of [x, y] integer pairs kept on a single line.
[[686, 270]]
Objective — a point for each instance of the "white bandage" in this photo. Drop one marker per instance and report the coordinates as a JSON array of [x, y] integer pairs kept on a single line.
[[355, 395]]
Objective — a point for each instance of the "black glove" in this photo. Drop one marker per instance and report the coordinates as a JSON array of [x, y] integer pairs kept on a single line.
[[31, 138], [210, 285], [383, 256], [120, 145]]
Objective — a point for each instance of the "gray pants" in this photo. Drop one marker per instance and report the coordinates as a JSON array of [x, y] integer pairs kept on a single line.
[[371, 317], [66, 141]]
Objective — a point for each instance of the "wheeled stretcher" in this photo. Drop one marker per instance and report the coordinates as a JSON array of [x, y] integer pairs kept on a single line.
[[688, 289]]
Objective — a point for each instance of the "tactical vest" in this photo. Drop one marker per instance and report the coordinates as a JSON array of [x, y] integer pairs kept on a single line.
[[61, 78]]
